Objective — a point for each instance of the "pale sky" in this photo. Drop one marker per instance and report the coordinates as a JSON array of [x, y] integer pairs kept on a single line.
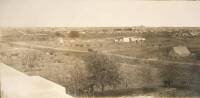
[[87, 13]]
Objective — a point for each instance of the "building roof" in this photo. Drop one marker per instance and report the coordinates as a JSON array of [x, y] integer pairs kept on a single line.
[[182, 51]]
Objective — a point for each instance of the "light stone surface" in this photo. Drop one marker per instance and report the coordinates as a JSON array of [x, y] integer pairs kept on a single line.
[[15, 84]]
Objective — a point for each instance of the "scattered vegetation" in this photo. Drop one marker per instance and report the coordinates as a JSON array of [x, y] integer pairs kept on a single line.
[[74, 34], [101, 74], [32, 60]]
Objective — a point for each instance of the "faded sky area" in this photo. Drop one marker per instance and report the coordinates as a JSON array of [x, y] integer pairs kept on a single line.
[[87, 13]]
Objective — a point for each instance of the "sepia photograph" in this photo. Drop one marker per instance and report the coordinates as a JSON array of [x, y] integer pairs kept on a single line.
[[99, 49]]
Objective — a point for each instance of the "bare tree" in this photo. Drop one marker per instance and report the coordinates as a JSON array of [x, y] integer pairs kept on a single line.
[[31, 60], [77, 79], [102, 71], [145, 74], [168, 74]]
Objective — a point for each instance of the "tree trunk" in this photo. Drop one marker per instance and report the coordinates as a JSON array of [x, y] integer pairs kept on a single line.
[[102, 88], [126, 84], [91, 90]]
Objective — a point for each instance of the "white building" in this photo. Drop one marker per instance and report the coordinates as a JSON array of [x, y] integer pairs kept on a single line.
[[60, 40], [126, 39]]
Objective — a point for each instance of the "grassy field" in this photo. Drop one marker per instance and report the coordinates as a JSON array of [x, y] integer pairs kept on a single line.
[[46, 57]]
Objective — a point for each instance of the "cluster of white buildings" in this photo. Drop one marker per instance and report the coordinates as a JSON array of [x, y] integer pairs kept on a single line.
[[129, 39]]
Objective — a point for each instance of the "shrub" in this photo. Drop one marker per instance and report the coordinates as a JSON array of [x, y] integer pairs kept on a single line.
[[74, 34]]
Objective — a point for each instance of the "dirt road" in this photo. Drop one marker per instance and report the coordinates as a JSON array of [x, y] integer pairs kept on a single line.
[[25, 45]]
